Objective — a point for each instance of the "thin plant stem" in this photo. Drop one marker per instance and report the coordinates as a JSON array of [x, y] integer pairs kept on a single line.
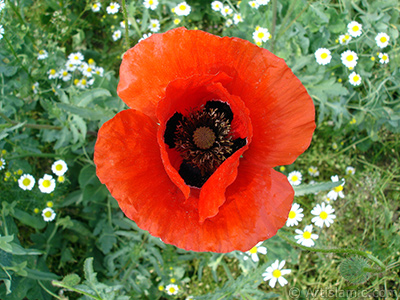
[[337, 251], [273, 26], [49, 292], [27, 125], [16, 57], [127, 44], [62, 285]]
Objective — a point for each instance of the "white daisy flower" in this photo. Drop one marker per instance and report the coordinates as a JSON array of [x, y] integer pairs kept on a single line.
[[354, 29], [172, 289], [83, 83], [350, 170], [154, 25], [2, 163], [384, 58], [64, 75], [295, 215], [349, 58], [70, 66], [262, 2], [96, 7], [261, 35], [313, 171], [226, 11], [274, 273], [145, 36], [2, 5], [88, 70], [26, 182], [237, 18], [182, 9], [48, 214], [355, 79], [344, 39], [295, 178], [252, 253], [47, 184], [324, 215], [52, 74], [306, 238], [327, 199], [113, 8], [42, 54], [254, 4], [75, 58], [152, 4], [1, 31], [228, 23], [122, 24], [35, 87], [337, 191], [382, 40], [99, 71], [217, 5], [323, 56], [59, 167], [116, 35]]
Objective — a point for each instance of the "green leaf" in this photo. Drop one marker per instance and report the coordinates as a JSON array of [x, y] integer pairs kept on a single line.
[[28, 219], [327, 89], [90, 275], [353, 270], [83, 99], [97, 113], [5, 243], [18, 250], [41, 275], [305, 189], [88, 176], [71, 280]]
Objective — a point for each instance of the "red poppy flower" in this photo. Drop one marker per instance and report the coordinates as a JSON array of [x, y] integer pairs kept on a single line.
[[191, 161]]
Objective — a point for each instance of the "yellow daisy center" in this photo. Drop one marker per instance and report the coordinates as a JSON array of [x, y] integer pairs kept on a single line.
[[151, 2], [46, 183], [346, 37], [76, 81], [112, 6], [253, 250], [95, 5], [276, 273], [83, 81], [171, 290], [349, 57], [89, 69], [59, 167], [324, 55], [50, 204], [355, 28], [323, 215], [383, 39], [355, 79], [65, 73], [260, 35], [340, 187], [177, 21], [41, 52], [307, 235], [76, 57], [292, 214], [295, 178], [91, 60], [61, 178], [384, 57], [47, 214], [182, 7], [52, 72], [26, 181]]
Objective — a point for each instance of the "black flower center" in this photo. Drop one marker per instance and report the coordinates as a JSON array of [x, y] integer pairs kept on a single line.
[[203, 139]]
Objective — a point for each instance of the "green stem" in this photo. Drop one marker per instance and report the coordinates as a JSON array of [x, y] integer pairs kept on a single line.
[[273, 26], [14, 8], [34, 155], [281, 32], [62, 285], [49, 292], [16, 56], [27, 125], [286, 18], [127, 44], [337, 251]]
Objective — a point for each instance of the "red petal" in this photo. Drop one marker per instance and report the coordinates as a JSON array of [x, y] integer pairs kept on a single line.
[[282, 112], [128, 162]]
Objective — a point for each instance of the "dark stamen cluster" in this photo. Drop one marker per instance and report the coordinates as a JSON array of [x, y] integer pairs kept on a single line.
[[204, 140]]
